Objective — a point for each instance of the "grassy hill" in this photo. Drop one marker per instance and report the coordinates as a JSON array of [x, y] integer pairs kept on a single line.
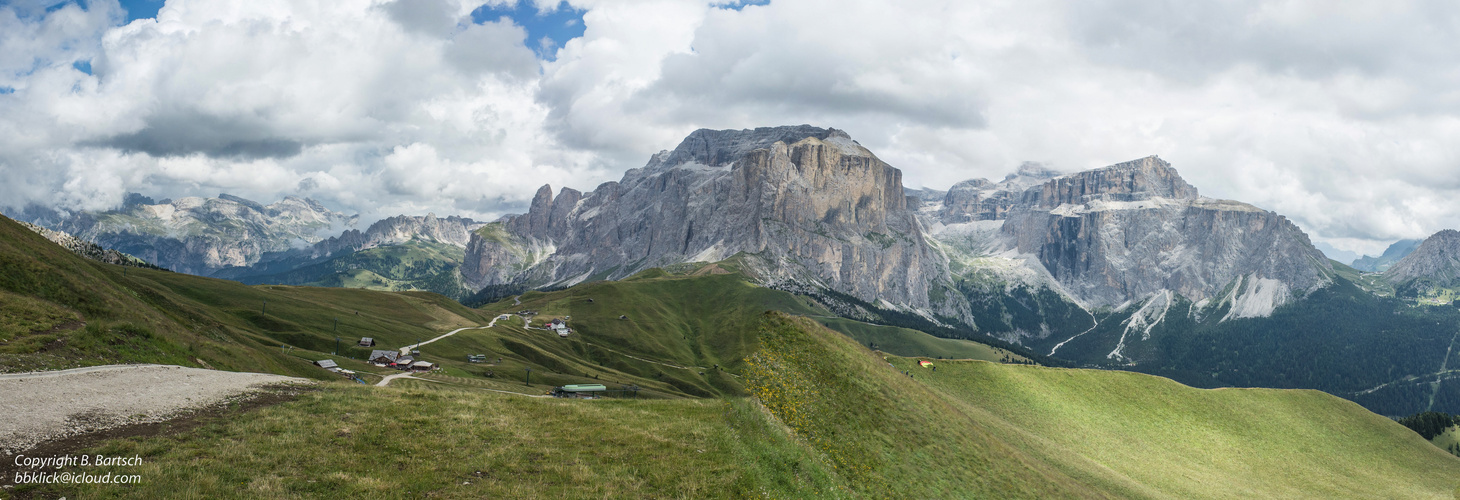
[[827, 418], [60, 310]]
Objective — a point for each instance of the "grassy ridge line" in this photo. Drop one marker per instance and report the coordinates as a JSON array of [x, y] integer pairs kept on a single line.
[[907, 342], [1200, 443], [683, 334], [1039, 432], [885, 433]]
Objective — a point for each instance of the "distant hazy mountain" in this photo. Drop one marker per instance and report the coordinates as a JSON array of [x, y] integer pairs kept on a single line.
[[202, 235], [1391, 255], [1335, 254], [395, 253], [1432, 269]]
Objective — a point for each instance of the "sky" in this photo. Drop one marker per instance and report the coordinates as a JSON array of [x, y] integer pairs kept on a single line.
[[1343, 117]]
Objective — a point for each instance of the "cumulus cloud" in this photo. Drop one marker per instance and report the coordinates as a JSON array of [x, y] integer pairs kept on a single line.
[[1340, 116]]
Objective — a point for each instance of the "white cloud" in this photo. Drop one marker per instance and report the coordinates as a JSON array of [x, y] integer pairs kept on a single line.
[[1342, 117]]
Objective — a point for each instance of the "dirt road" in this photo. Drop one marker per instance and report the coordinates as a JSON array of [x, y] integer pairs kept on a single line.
[[40, 406]]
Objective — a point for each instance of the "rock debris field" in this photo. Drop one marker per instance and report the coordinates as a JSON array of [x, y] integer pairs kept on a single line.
[[41, 406]]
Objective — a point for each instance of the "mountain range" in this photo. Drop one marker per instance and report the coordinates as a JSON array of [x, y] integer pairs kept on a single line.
[[1122, 266]]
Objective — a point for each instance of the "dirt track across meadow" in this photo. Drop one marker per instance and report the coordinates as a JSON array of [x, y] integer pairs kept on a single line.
[[42, 406]]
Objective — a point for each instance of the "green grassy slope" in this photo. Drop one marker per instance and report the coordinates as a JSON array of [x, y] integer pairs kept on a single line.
[[60, 310], [684, 334], [905, 342], [974, 428], [1177, 441], [366, 442], [827, 419]]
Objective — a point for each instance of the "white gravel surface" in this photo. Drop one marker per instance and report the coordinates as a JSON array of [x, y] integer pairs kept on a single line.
[[40, 406]]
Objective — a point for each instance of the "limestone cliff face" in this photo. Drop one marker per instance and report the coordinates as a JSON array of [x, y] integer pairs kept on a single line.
[[1127, 231], [1142, 179], [811, 203]]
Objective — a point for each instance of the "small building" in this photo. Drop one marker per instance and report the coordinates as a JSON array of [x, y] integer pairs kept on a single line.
[[423, 366], [367, 342], [476, 358], [578, 390], [383, 357], [404, 362], [328, 364], [559, 326]]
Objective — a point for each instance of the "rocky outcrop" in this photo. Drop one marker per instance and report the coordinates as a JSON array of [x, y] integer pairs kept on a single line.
[[1437, 260], [88, 249], [202, 235], [809, 203]]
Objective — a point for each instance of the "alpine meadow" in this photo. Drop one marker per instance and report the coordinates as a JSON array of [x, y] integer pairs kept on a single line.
[[414, 249]]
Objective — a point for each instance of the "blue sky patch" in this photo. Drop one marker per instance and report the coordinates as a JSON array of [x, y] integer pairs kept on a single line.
[[557, 26], [82, 66], [141, 9], [6, 90], [741, 4]]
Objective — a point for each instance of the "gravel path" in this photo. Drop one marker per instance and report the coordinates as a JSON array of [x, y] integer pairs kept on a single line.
[[41, 406], [407, 349]]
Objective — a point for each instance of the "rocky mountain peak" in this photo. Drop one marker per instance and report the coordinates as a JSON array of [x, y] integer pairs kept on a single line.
[[807, 202], [718, 148], [1136, 180], [1436, 258]]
